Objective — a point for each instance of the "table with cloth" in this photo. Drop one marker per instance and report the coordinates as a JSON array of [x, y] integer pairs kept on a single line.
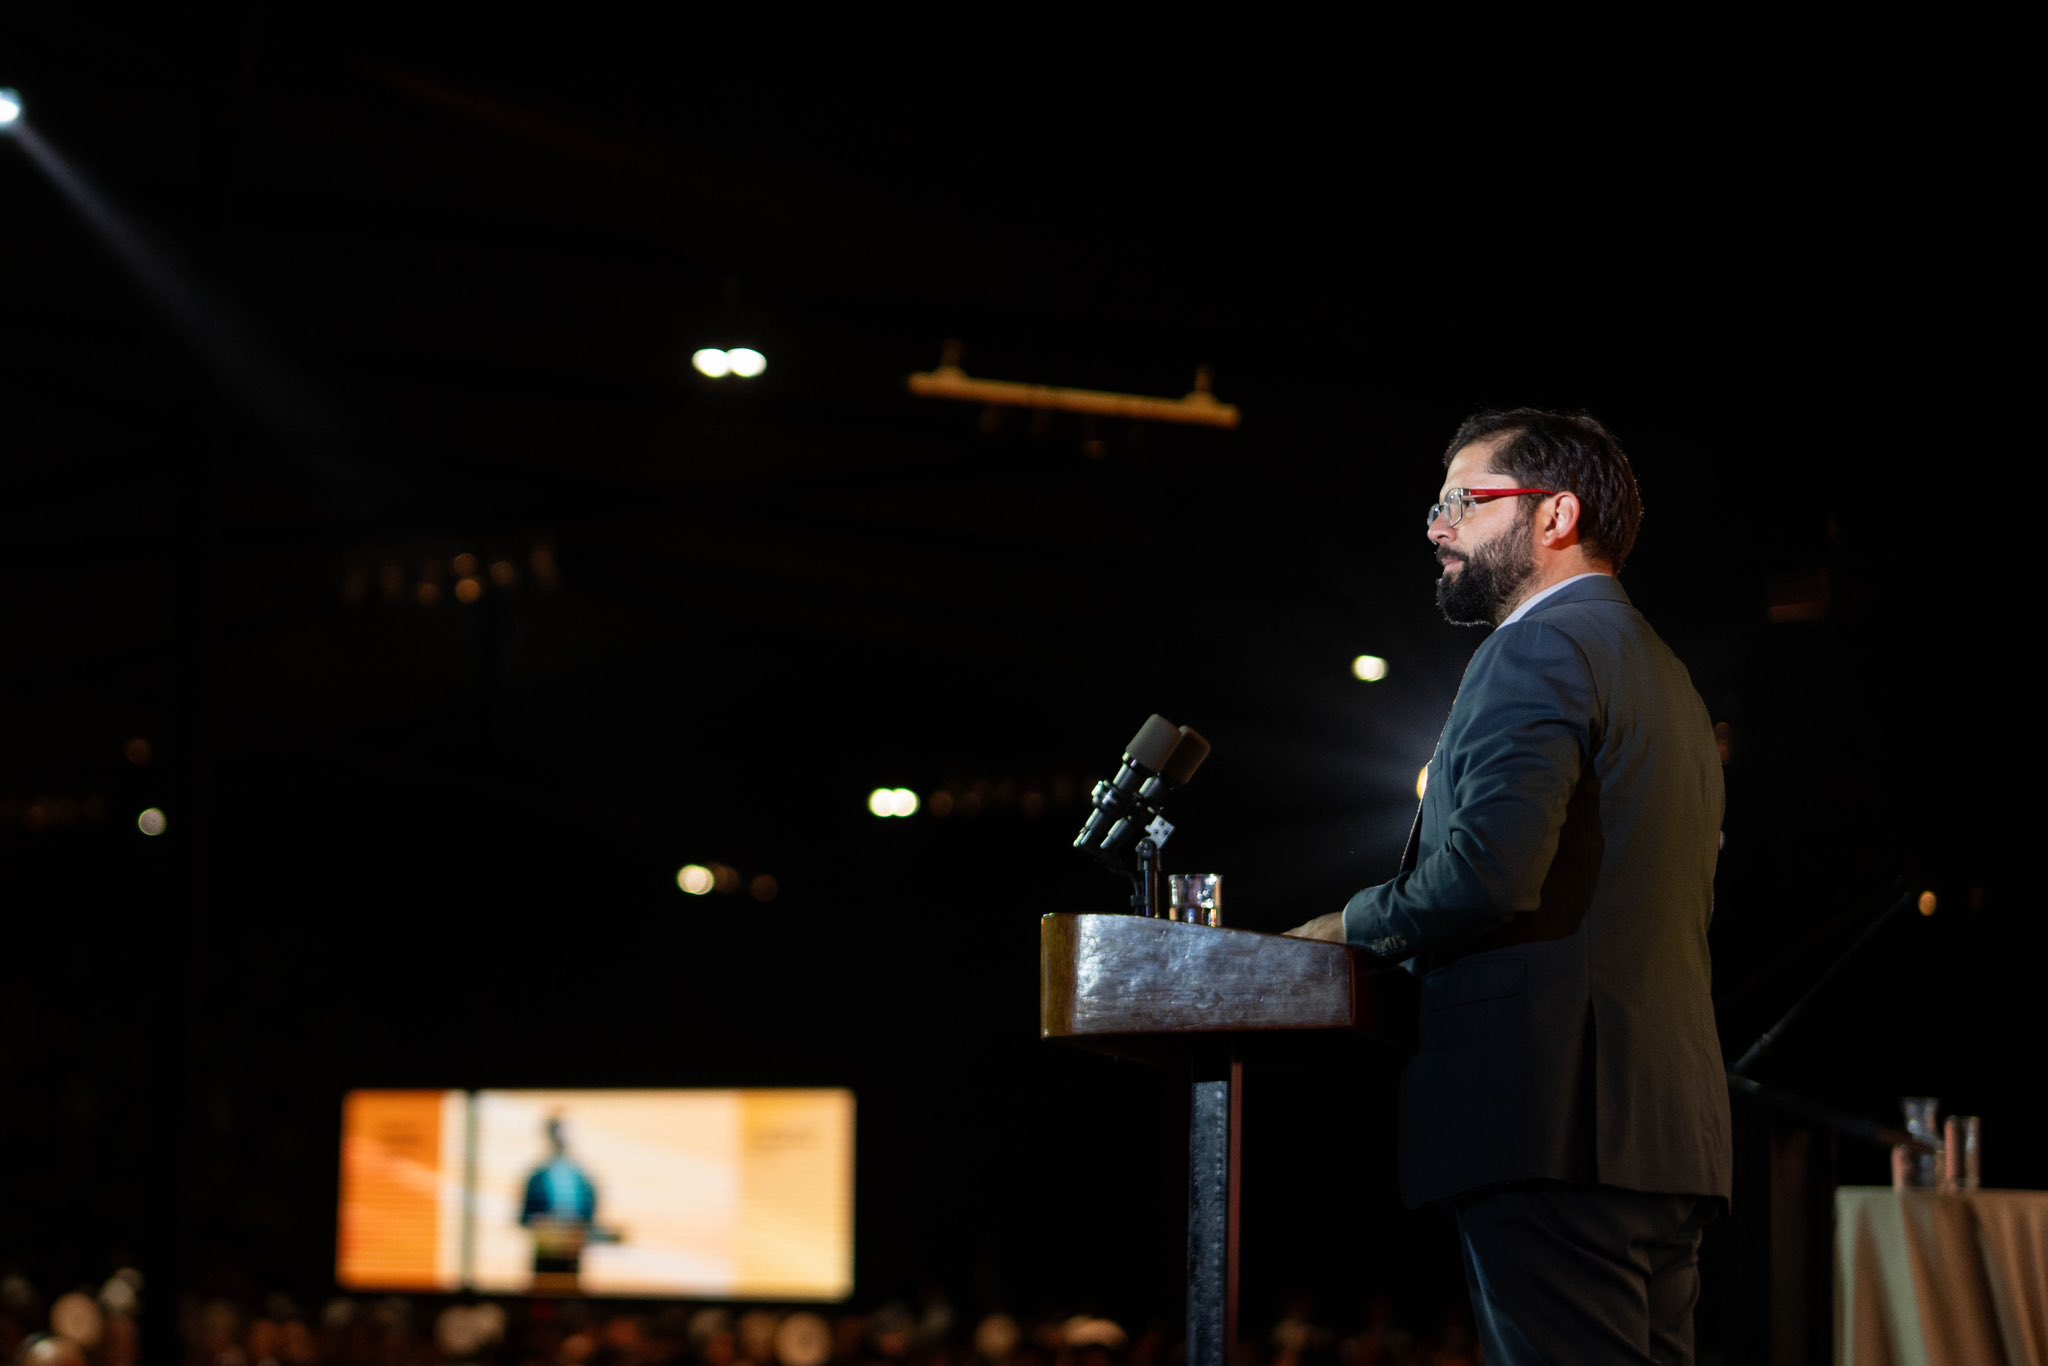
[[1941, 1278]]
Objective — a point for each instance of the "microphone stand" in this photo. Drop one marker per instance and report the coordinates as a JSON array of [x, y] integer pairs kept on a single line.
[[1148, 874], [1148, 879], [1770, 1036]]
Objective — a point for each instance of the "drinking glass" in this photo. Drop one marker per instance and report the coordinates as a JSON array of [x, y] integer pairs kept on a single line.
[[1195, 897], [1918, 1168], [1960, 1169]]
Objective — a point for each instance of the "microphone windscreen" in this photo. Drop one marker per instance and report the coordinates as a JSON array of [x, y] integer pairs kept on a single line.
[[1153, 743], [1187, 756]]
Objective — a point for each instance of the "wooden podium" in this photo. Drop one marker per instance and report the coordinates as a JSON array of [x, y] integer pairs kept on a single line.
[[1207, 1000]]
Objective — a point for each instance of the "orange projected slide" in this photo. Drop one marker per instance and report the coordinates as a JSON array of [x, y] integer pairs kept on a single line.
[[396, 1190], [795, 1235], [696, 1193]]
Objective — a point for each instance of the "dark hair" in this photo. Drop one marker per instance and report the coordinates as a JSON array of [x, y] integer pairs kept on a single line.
[[1566, 451]]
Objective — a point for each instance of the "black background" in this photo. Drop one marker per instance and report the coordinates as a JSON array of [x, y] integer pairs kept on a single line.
[[287, 303]]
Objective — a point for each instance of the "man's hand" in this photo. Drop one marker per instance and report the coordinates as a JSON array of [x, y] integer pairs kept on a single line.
[[1327, 927]]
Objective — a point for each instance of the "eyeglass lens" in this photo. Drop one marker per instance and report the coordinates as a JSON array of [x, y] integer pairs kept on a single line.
[[1451, 509]]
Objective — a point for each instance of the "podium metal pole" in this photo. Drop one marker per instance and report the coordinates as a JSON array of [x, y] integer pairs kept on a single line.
[[1215, 1121]]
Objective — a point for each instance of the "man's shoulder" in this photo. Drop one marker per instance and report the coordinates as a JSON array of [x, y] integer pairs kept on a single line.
[[1595, 606], [1586, 590]]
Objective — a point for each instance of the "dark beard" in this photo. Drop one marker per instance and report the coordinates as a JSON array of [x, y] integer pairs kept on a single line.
[[1479, 594]]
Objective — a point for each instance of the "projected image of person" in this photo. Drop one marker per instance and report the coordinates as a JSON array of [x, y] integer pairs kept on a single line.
[[560, 1210], [1567, 1103]]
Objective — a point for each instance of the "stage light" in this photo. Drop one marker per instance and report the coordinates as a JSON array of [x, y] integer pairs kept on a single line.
[[694, 878], [10, 107], [892, 801], [1368, 668], [716, 363], [151, 822]]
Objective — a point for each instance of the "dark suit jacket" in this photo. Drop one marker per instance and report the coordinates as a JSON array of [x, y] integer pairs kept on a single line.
[[1555, 904]]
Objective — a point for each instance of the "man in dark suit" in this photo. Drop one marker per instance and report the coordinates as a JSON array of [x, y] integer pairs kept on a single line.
[[560, 1208], [1567, 1101]]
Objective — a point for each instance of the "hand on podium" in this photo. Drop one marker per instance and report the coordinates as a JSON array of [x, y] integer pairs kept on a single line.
[[1326, 927]]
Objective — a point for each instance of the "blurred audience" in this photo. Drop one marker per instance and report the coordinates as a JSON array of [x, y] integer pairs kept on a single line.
[[239, 1327]]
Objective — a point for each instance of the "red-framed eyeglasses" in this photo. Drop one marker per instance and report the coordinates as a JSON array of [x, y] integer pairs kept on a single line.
[[1458, 502]]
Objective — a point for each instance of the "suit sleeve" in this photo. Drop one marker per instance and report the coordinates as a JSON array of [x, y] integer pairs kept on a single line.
[[1511, 756]]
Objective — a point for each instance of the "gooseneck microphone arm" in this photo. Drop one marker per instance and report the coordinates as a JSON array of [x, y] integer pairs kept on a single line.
[[1909, 897]]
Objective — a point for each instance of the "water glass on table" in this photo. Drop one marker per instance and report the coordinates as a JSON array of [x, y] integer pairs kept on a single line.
[[1961, 1165], [1917, 1166]]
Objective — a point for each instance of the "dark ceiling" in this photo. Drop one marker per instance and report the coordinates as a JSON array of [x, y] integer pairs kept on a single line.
[[295, 315]]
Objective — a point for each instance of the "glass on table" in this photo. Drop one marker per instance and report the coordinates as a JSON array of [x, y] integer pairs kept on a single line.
[[1917, 1165], [1961, 1168], [1196, 898]]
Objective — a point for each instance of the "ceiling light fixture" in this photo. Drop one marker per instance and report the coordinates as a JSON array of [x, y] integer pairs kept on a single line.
[[950, 381]]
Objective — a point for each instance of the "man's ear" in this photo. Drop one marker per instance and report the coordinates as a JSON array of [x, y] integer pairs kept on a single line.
[[1563, 527]]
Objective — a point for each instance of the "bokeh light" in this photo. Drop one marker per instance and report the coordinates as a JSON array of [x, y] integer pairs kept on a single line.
[[892, 801]]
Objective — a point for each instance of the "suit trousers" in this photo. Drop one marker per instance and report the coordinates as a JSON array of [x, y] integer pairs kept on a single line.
[[1577, 1275]]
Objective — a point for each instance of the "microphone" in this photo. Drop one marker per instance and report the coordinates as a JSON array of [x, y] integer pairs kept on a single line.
[[1144, 759], [1188, 752], [1186, 756]]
